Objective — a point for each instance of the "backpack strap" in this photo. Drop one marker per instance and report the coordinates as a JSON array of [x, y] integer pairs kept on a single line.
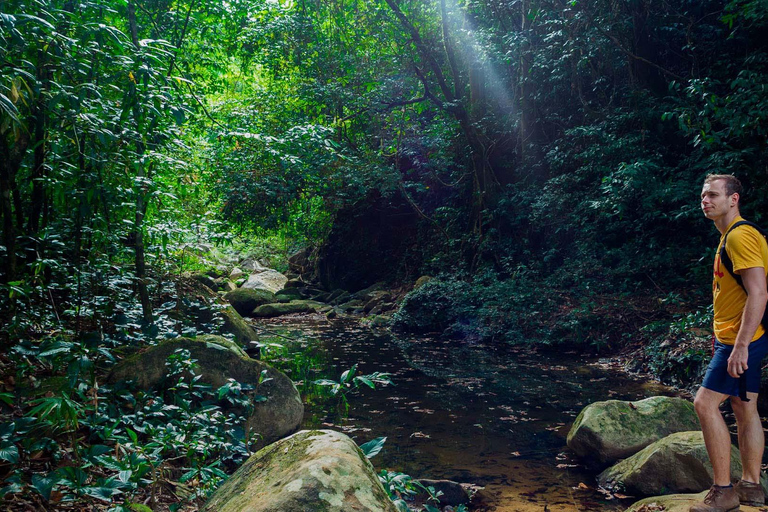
[[725, 260]]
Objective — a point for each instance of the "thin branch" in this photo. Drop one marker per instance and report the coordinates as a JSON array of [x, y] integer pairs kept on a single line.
[[637, 57]]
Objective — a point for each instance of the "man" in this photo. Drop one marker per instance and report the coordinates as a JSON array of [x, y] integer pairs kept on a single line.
[[741, 343]]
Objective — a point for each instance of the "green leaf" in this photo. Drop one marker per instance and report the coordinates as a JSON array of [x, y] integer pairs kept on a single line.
[[373, 447], [134, 437], [44, 484], [9, 452]]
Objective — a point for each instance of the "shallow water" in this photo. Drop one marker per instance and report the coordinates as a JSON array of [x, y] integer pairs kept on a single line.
[[495, 417]]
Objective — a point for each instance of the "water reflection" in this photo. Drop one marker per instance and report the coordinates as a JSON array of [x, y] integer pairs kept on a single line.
[[492, 416]]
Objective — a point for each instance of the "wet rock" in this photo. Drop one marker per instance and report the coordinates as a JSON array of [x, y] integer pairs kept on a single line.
[[676, 463], [270, 280], [279, 309], [245, 300], [202, 307], [220, 359], [607, 431], [313, 470], [453, 494]]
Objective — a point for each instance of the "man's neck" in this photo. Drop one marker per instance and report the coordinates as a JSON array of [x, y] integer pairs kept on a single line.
[[726, 220]]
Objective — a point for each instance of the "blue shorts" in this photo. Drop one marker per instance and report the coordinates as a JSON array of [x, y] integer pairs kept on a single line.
[[717, 378]]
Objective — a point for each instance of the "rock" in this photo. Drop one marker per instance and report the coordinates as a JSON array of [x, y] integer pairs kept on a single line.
[[367, 294], [202, 307], [245, 300], [338, 295], [321, 297], [376, 298], [236, 274], [299, 261], [379, 321], [279, 309], [252, 265], [288, 294], [453, 493], [676, 503], [220, 359], [676, 463], [421, 282], [227, 286], [607, 431], [352, 305], [313, 470], [294, 283], [669, 503], [269, 279], [206, 280]]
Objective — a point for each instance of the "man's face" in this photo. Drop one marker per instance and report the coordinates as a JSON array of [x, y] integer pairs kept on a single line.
[[714, 201]]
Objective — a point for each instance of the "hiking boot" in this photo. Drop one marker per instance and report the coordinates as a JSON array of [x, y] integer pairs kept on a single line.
[[718, 499], [750, 494]]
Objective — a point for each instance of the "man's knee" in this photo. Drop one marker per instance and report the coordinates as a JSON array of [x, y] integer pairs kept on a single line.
[[707, 401]]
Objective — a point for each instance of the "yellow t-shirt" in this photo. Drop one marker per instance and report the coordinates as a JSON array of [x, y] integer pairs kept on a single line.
[[747, 249]]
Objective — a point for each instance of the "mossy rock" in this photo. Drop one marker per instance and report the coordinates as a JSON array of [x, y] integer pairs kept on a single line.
[[313, 470], [676, 463], [421, 282], [205, 279], [607, 431], [245, 300], [288, 294], [220, 359], [199, 305], [677, 503], [279, 309]]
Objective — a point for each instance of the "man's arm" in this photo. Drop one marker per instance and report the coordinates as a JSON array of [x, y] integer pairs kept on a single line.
[[757, 295]]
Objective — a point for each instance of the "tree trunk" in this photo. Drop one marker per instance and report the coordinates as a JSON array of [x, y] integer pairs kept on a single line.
[[138, 234]]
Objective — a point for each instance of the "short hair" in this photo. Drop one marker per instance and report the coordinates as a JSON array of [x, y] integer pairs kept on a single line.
[[732, 183]]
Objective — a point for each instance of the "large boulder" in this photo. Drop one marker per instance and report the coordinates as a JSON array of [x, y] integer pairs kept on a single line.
[[676, 463], [220, 359], [317, 470], [269, 279], [607, 431], [245, 300], [200, 306]]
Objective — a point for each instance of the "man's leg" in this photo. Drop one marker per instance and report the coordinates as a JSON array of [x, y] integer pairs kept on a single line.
[[751, 436], [716, 436]]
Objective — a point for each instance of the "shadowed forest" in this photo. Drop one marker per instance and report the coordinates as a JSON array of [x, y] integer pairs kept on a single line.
[[534, 166]]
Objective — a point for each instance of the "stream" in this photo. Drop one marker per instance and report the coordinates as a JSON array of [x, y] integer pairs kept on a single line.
[[493, 416]]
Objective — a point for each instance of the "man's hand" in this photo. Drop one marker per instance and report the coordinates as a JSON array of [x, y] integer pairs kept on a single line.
[[737, 363]]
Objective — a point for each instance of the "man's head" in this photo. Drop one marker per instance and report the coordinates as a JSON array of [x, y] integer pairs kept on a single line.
[[720, 196]]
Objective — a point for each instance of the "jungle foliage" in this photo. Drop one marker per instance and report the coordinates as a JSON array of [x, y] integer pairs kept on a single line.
[[553, 151]]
